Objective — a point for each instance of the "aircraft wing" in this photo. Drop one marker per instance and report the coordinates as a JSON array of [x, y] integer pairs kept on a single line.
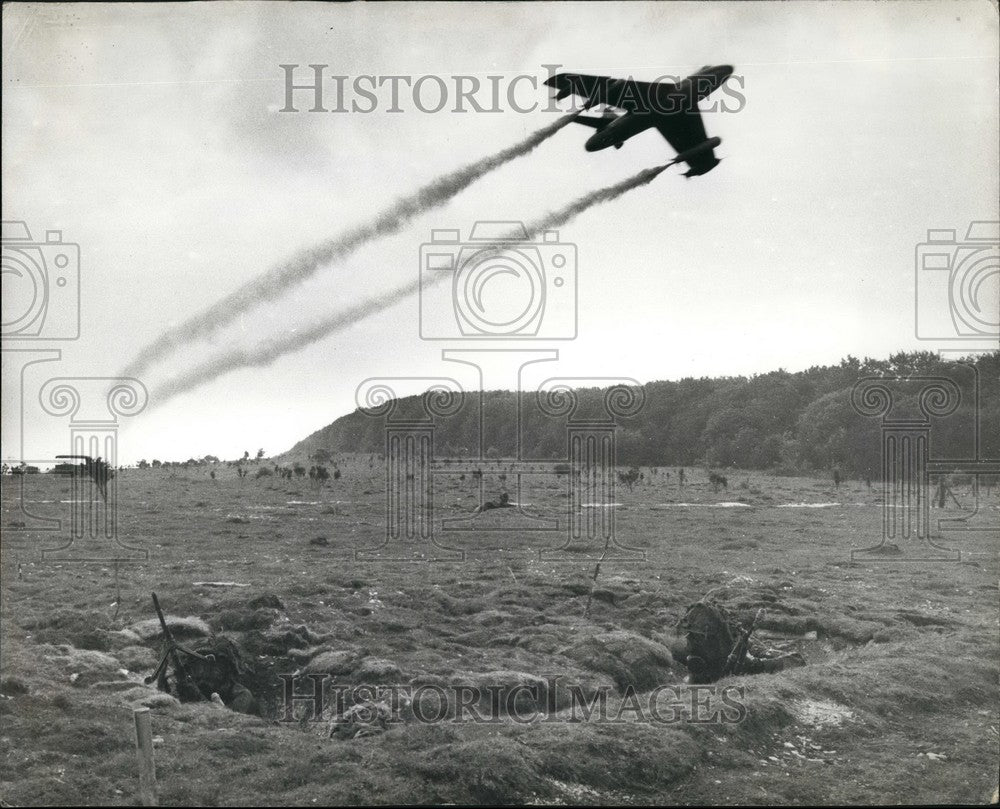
[[594, 123], [685, 130], [625, 94]]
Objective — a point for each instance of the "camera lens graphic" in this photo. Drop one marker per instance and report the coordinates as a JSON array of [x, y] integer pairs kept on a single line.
[[500, 294], [975, 290], [25, 291]]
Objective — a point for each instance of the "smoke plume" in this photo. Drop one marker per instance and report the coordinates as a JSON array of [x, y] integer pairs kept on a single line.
[[307, 262], [270, 350]]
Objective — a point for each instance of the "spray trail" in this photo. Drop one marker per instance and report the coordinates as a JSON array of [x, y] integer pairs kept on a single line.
[[307, 262], [270, 350]]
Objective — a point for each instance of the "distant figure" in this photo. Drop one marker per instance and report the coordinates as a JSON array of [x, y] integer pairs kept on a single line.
[[868, 483], [939, 493], [680, 477], [99, 472], [836, 476], [942, 491], [504, 502]]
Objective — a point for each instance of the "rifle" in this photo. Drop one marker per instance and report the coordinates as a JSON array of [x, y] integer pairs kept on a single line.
[[737, 657], [186, 686]]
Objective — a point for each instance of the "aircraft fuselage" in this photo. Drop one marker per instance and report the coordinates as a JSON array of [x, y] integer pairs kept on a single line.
[[664, 103], [620, 130]]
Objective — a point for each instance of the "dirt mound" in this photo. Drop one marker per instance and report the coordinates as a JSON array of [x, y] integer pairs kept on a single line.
[[143, 696], [137, 658], [847, 629], [245, 620], [820, 712], [120, 639], [354, 665], [187, 627], [629, 659], [83, 667], [493, 618], [367, 718], [377, 671], [497, 770], [517, 691], [13, 687], [269, 600], [299, 642], [334, 663], [247, 603]]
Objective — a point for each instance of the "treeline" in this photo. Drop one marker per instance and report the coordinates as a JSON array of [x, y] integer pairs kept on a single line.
[[786, 422]]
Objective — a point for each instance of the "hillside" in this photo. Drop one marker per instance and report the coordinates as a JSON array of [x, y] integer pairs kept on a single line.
[[782, 421]]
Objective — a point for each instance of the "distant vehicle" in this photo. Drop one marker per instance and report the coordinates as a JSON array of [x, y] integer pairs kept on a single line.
[[98, 470], [24, 469], [671, 109]]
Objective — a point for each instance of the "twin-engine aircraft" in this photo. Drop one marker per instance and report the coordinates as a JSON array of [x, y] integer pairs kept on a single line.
[[672, 109]]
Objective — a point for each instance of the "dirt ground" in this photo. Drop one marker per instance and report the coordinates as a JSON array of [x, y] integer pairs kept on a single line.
[[898, 702]]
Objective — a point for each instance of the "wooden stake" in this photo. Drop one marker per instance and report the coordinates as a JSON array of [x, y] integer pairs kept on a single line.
[[597, 572], [144, 755]]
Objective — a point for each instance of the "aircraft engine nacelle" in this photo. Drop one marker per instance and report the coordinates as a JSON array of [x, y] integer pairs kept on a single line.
[[695, 152]]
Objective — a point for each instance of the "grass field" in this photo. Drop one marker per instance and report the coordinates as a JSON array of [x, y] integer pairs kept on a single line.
[[898, 702]]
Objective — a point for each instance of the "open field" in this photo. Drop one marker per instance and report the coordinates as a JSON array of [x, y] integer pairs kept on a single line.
[[898, 702]]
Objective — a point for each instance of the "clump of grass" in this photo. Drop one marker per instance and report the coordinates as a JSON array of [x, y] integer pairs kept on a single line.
[[492, 771], [632, 756], [858, 632], [13, 687], [244, 621], [180, 627]]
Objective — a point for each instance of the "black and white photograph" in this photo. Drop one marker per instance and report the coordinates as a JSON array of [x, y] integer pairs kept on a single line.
[[500, 403]]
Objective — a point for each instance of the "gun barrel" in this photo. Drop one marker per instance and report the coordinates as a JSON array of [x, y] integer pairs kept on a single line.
[[184, 679], [163, 621]]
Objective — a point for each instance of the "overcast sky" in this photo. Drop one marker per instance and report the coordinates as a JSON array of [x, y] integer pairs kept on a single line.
[[151, 135]]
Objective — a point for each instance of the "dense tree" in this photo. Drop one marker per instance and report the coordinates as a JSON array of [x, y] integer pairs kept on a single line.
[[801, 421], [321, 456]]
